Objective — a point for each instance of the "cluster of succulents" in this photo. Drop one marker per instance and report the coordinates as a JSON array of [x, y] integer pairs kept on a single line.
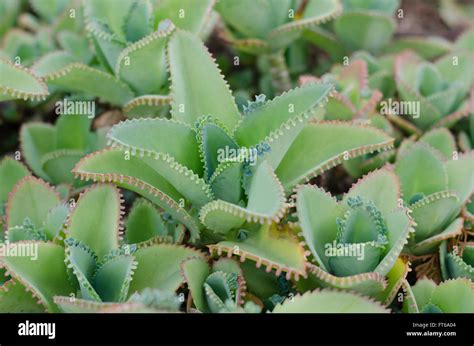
[[192, 191]]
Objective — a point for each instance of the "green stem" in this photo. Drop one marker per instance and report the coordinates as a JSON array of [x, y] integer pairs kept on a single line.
[[279, 72]]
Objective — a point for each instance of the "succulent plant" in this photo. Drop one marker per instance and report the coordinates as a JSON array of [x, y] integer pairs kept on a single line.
[[448, 297], [367, 25], [217, 288], [216, 175], [355, 243], [81, 254], [330, 301], [271, 27], [458, 263], [208, 183], [354, 100], [436, 202], [52, 151], [439, 89]]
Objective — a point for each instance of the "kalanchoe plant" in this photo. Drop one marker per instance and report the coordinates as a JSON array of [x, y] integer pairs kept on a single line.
[[449, 296], [92, 264], [457, 263], [226, 164], [436, 202], [217, 288], [363, 24], [354, 100], [441, 90], [355, 243], [52, 151], [272, 26], [330, 301], [125, 38]]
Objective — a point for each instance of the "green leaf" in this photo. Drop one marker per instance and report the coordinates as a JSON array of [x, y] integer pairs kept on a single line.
[[422, 291], [356, 30], [31, 198], [460, 176], [82, 261], [266, 203], [315, 150], [147, 106], [95, 219], [73, 132], [133, 174], [318, 228], [327, 301], [11, 172], [45, 275], [265, 15], [143, 223], [412, 168], [159, 267], [150, 52], [159, 136], [275, 248], [18, 82], [433, 213], [226, 182], [195, 271], [112, 278], [107, 12], [52, 62], [14, 298], [189, 15], [48, 9], [76, 45], [454, 296], [198, 91], [213, 140], [382, 187], [281, 113], [78, 77], [36, 140], [369, 284], [442, 140], [58, 164]]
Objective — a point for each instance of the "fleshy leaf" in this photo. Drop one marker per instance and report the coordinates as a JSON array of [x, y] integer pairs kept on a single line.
[[132, 59], [78, 77], [198, 92], [327, 301], [133, 174], [31, 198], [195, 271], [189, 15], [45, 275], [112, 278], [158, 267], [266, 202], [37, 139], [274, 116], [20, 83], [14, 298], [412, 167], [143, 223], [315, 150], [11, 172], [95, 219], [275, 248]]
